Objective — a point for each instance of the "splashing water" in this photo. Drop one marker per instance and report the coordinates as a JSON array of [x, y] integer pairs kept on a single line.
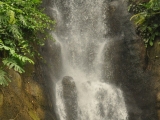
[[81, 31]]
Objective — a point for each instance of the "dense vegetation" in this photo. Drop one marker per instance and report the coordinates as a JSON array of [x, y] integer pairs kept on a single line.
[[147, 19], [22, 30]]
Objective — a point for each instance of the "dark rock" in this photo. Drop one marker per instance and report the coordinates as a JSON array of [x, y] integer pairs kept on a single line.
[[128, 69], [70, 98]]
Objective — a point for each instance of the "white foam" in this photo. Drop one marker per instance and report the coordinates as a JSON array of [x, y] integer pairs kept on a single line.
[[83, 45]]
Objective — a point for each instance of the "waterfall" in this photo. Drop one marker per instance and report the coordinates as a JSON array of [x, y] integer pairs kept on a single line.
[[81, 92]]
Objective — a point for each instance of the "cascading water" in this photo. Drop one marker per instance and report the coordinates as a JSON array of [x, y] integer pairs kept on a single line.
[[81, 31]]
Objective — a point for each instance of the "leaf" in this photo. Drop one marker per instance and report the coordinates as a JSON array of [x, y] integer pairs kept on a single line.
[[4, 80], [3, 19], [139, 18], [12, 64], [155, 25], [149, 29], [37, 1], [15, 31], [143, 28], [11, 15], [1, 3], [22, 20], [12, 52], [151, 43], [24, 59]]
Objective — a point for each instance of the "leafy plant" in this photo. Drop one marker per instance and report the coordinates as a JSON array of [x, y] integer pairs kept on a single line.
[[4, 80], [146, 18], [23, 28], [11, 63]]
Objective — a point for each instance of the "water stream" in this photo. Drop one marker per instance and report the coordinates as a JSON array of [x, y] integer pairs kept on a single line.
[[81, 92]]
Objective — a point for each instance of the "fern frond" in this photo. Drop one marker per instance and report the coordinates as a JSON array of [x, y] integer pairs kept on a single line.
[[11, 63], [4, 80], [3, 19], [24, 59], [22, 20], [139, 18], [12, 52], [11, 15], [15, 31]]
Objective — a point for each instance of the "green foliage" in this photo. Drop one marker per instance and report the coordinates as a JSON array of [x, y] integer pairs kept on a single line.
[[23, 28], [4, 80], [11, 63], [147, 19]]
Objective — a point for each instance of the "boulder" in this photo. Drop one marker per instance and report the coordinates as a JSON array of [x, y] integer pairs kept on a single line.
[[70, 98]]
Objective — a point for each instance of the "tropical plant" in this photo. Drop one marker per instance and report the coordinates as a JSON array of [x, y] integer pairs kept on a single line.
[[4, 80], [147, 20], [23, 28]]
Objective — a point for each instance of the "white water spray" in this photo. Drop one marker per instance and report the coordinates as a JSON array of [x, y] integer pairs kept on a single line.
[[81, 33]]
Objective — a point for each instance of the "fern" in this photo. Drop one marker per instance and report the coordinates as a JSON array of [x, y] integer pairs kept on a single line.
[[24, 59], [22, 20], [11, 63], [139, 18], [3, 19], [15, 31], [20, 25], [12, 52], [11, 15], [4, 80]]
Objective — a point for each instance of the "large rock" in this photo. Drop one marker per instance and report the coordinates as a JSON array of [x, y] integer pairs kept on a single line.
[[70, 98], [25, 98]]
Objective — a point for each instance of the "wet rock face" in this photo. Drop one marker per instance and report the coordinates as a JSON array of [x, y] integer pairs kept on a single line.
[[70, 98], [128, 70], [24, 99], [154, 66]]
